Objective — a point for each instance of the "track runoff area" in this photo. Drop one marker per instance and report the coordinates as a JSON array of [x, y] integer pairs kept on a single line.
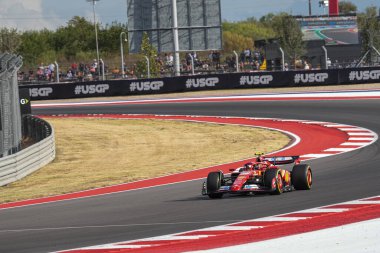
[[334, 225]]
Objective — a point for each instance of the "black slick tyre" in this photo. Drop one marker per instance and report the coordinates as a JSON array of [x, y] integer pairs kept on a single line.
[[302, 177], [214, 181], [273, 180]]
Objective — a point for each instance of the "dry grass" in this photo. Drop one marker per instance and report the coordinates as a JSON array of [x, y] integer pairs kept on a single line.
[[99, 152]]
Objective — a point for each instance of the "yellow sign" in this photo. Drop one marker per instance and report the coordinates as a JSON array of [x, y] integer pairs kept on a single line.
[[264, 65]]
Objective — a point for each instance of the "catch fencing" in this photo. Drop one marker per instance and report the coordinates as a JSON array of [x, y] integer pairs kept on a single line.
[[26, 142], [10, 115]]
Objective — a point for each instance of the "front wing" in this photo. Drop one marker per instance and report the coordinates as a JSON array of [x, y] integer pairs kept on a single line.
[[248, 188]]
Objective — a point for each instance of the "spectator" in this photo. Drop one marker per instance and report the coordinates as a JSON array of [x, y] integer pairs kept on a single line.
[[307, 66], [81, 67], [188, 61], [257, 56], [230, 62], [47, 73], [31, 75], [94, 67], [216, 59], [328, 63], [51, 67], [74, 69], [257, 65], [40, 73], [286, 66], [248, 55], [169, 60], [69, 74], [242, 57]]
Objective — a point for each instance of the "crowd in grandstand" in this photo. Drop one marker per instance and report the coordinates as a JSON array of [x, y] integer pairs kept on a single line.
[[213, 62]]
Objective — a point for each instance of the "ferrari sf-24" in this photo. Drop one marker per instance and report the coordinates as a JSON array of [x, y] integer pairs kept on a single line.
[[262, 175]]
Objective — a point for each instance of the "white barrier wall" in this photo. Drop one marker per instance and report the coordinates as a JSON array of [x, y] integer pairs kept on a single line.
[[26, 161]]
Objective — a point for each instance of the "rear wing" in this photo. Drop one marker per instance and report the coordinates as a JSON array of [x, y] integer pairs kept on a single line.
[[278, 160]]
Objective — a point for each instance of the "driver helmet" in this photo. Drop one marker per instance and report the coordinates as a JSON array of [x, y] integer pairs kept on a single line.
[[248, 166]]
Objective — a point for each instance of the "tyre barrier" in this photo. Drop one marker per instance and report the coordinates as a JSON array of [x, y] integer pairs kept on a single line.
[[40, 134]]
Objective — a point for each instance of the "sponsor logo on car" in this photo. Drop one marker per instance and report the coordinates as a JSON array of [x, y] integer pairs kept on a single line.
[[146, 86], [202, 82], [40, 92], [224, 188], [91, 89], [256, 80], [364, 75], [310, 78], [251, 186]]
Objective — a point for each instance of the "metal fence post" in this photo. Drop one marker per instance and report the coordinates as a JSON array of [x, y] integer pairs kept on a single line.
[[325, 50], [57, 74], [282, 59], [103, 76], [148, 65], [237, 61], [192, 63]]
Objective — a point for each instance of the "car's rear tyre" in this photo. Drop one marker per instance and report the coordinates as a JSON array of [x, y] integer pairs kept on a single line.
[[273, 180], [302, 177], [214, 181]]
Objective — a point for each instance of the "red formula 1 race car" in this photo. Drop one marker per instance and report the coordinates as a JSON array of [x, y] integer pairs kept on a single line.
[[261, 175]]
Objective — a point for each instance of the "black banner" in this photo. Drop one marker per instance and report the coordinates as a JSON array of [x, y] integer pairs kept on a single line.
[[204, 82]]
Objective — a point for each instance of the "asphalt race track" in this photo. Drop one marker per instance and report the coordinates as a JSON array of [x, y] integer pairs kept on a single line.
[[179, 207]]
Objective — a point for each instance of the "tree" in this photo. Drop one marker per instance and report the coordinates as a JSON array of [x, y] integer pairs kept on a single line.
[[249, 29], [109, 37], [10, 40], [347, 7], [290, 35], [267, 19], [234, 41], [74, 41], [34, 45], [77, 36], [369, 26], [149, 51]]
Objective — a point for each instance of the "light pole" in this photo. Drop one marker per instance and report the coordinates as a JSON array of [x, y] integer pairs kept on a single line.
[[175, 38], [122, 51], [96, 34]]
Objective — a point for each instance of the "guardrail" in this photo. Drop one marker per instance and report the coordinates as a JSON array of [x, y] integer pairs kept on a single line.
[[32, 158]]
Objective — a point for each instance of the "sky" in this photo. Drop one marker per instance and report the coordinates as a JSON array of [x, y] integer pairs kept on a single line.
[[51, 14]]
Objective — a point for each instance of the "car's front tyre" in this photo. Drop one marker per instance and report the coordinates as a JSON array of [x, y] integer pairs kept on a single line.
[[273, 180], [214, 181]]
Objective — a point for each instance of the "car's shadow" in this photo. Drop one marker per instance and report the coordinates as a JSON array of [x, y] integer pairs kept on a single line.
[[225, 197]]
